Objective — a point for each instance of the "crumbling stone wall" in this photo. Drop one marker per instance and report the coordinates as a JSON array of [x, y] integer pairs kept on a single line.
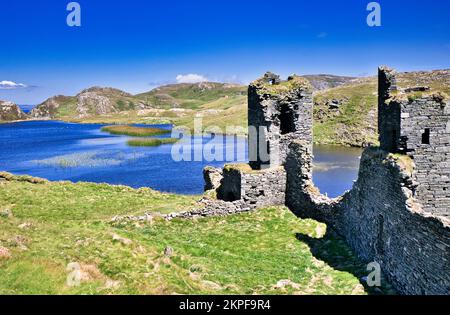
[[426, 139], [255, 188], [380, 220], [264, 188], [418, 124], [212, 177], [388, 110]]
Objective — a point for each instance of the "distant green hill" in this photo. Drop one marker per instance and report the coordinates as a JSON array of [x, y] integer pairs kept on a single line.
[[190, 96], [95, 101]]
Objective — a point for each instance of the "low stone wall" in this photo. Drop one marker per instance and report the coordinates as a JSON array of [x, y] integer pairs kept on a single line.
[[237, 188], [264, 188], [212, 207], [379, 220], [255, 188]]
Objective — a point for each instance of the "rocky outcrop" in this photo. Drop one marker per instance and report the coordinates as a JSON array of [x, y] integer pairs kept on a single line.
[[51, 107], [90, 102], [10, 111]]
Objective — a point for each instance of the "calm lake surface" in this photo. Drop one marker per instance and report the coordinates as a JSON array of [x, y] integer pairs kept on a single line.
[[81, 152]]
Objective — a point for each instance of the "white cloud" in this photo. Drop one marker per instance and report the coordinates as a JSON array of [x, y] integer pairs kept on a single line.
[[10, 85], [191, 78]]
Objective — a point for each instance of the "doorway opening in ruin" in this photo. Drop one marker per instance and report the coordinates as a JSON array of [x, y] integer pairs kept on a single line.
[[426, 136], [287, 120]]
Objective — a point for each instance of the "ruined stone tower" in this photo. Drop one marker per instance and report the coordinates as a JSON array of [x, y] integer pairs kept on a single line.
[[278, 113], [416, 121]]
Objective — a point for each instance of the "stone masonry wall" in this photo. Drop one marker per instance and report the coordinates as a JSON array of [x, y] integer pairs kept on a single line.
[[265, 188], [379, 219], [255, 188], [388, 112], [427, 119], [418, 124]]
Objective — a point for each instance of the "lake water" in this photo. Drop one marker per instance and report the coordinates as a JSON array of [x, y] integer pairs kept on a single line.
[[335, 168], [81, 152], [27, 108]]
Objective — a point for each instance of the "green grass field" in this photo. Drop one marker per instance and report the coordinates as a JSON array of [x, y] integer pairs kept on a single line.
[[46, 226]]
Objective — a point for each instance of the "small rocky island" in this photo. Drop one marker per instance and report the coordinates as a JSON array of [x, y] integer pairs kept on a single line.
[[10, 112]]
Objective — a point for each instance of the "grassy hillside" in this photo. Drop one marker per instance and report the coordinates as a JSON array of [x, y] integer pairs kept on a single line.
[[94, 101], [218, 104], [190, 96], [48, 230], [354, 121]]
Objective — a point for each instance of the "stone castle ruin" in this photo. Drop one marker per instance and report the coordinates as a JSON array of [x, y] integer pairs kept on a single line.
[[398, 211]]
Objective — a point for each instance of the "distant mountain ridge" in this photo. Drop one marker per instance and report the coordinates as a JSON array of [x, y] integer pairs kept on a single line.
[[345, 110], [327, 81], [97, 101]]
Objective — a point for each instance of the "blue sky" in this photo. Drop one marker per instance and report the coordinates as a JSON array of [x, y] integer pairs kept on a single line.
[[137, 44]]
